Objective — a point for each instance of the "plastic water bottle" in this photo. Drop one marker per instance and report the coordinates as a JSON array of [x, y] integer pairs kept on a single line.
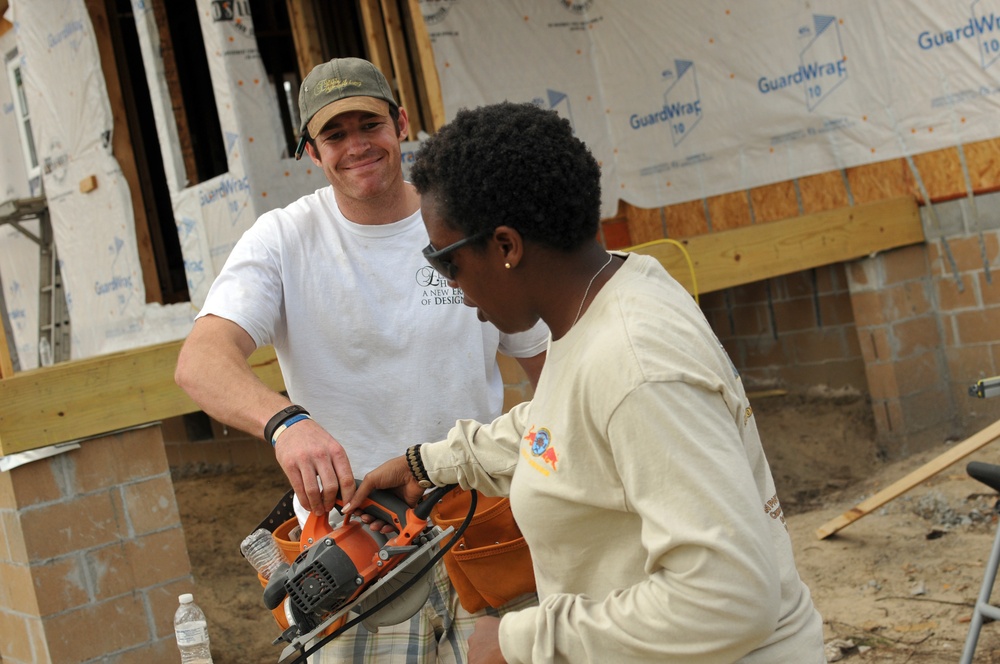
[[262, 551], [191, 630]]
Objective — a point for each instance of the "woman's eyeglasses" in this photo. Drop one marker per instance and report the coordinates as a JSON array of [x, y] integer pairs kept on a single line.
[[438, 258]]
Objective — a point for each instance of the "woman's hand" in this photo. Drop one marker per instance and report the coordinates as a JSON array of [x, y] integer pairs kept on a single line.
[[484, 644], [394, 474]]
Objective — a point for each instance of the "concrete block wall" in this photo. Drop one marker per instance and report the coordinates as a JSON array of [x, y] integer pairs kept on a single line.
[[912, 328], [93, 556], [963, 253], [900, 335], [794, 332]]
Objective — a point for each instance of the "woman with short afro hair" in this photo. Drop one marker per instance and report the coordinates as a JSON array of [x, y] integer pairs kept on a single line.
[[636, 473]]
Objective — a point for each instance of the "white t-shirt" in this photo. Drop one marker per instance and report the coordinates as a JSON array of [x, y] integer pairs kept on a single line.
[[371, 340]]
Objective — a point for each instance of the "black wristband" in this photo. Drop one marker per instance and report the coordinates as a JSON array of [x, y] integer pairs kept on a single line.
[[416, 463], [279, 417]]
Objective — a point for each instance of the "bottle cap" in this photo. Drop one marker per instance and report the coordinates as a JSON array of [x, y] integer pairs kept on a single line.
[[186, 598]]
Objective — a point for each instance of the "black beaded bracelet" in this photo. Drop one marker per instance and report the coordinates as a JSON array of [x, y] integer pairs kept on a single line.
[[279, 418], [416, 463]]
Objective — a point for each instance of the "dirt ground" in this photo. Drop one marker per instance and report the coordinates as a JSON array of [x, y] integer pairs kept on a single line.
[[897, 586]]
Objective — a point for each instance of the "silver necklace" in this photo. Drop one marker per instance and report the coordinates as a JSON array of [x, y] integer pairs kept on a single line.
[[587, 292]]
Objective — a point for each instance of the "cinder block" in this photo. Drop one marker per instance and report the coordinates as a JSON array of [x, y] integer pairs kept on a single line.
[[164, 650], [916, 336], [915, 373], [869, 309], [882, 382], [151, 505], [988, 207], [13, 537], [62, 528], [751, 320], [16, 643], [944, 219], [96, 629], [36, 483], [163, 603], [989, 290], [949, 298], [159, 557], [756, 291], [977, 326], [7, 498], [972, 254], [17, 589], [111, 571], [836, 309], [59, 585], [831, 278], [927, 409], [968, 364], [793, 286], [907, 300], [760, 352], [905, 264], [140, 453], [875, 343], [793, 315], [817, 345]]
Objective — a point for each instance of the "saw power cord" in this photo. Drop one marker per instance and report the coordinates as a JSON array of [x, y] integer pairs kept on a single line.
[[406, 585]]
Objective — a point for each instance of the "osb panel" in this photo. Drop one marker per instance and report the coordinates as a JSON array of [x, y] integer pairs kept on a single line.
[[941, 172], [773, 201], [983, 159], [881, 180], [825, 191], [728, 211], [644, 224], [615, 233], [686, 219]]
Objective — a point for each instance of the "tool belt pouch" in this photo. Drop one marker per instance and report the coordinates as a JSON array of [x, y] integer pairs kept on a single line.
[[490, 565]]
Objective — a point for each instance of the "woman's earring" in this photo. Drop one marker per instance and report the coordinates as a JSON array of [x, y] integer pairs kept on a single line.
[[507, 265]]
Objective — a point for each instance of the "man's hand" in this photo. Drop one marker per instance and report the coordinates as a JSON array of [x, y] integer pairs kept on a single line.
[[484, 644], [306, 452]]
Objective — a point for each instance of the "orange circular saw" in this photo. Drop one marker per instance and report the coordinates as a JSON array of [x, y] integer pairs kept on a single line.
[[349, 567]]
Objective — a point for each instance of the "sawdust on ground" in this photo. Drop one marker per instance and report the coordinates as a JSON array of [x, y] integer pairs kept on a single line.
[[896, 586]]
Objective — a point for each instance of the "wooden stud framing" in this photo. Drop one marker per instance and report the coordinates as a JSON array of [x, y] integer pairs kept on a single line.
[[401, 64], [752, 253], [74, 400], [425, 69], [302, 15]]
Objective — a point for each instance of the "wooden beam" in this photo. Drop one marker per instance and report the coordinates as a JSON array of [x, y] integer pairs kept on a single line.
[[426, 69], [378, 47], [308, 48], [956, 453], [6, 363], [401, 64], [761, 251], [89, 397]]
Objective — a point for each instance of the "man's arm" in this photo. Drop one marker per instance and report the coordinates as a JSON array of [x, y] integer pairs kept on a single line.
[[212, 368], [532, 367]]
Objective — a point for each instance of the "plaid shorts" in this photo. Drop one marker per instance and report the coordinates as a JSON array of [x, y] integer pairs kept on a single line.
[[437, 634]]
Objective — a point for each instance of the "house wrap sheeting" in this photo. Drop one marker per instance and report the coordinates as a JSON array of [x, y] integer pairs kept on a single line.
[[678, 100], [95, 231], [682, 100]]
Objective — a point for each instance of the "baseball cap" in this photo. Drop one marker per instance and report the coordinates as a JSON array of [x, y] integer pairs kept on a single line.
[[339, 86]]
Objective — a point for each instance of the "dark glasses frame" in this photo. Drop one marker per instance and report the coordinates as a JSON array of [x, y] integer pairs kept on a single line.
[[438, 258]]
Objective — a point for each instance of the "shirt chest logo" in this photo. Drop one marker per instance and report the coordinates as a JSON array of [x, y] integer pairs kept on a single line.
[[540, 450]]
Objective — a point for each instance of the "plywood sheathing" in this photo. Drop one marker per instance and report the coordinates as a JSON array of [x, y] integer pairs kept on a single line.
[[940, 171]]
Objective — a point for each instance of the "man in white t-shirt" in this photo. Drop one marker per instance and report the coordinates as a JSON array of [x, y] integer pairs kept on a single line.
[[376, 349]]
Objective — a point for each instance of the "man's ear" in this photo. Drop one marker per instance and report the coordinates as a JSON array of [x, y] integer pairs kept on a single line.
[[311, 151], [404, 124], [510, 244]]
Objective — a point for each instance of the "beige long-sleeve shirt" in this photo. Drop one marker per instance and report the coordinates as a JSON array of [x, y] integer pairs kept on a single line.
[[638, 479]]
